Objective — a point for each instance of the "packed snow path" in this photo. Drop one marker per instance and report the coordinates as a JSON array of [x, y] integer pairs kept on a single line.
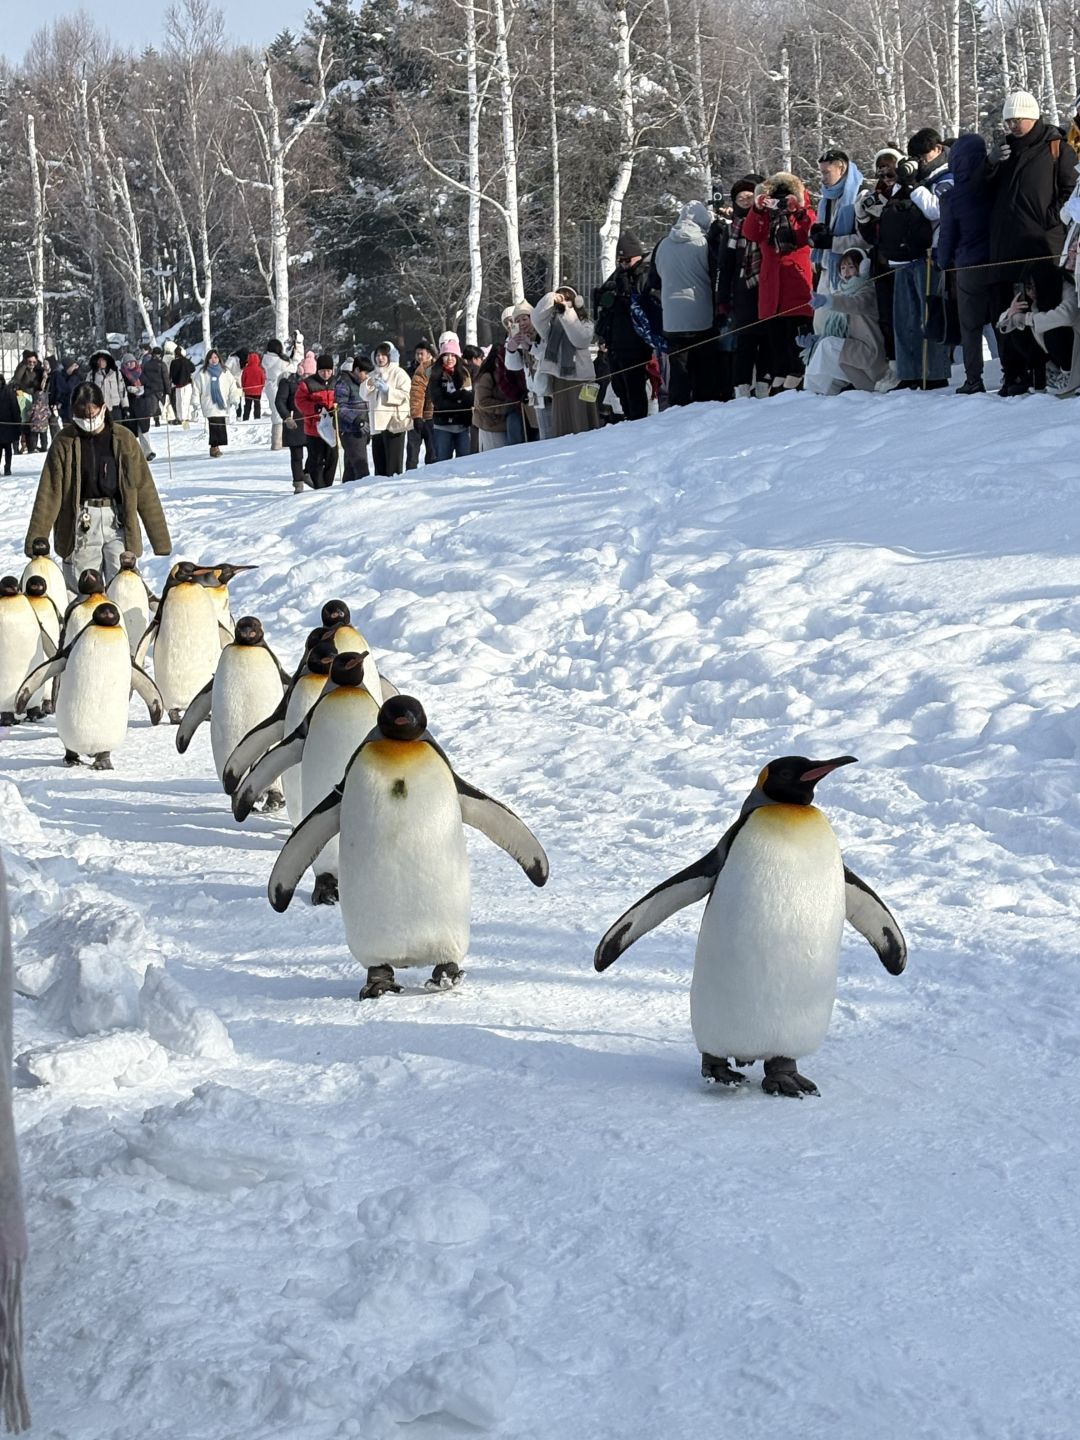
[[513, 1209]]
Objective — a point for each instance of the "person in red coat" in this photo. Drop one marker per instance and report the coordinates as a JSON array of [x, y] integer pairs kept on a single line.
[[315, 398], [779, 222], [252, 381]]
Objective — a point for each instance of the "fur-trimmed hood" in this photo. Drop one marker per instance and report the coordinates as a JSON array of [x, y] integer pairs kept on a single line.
[[784, 181]]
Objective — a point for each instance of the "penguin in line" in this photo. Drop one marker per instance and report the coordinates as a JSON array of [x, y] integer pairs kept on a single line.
[[399, 811], [217, 579], [301, 695], [131, 595], [767, 953], [41, 563], [48, 637], [186, 637], [247, 687], [337, 625], [99, 675], [80, 612], [322, 745], [19, 637]]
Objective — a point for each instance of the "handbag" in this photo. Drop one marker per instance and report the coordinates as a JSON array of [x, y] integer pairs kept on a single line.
[[398, 424], [325, 428]]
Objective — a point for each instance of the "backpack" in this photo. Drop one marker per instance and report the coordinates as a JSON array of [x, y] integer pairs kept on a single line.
[[904, 232]]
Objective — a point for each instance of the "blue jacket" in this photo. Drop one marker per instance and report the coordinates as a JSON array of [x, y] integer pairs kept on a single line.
[[964, 237]]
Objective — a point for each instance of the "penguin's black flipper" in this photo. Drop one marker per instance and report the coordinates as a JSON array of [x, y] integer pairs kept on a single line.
[[39, 677], [194, 715], [254, 746], [48, 644], [389, 689], [871, 917], [264, 772], [144, 644], [302, 846], [505, 829]]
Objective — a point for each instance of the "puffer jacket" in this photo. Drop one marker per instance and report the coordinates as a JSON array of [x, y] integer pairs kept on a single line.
[[786, 279], [313, 396]]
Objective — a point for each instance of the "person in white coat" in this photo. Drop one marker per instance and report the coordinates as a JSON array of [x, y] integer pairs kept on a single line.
[[387, 389], [275, 365], [565, 335], [219, 392]]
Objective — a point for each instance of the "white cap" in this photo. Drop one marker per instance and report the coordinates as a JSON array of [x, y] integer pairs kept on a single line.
[[1021, 105]]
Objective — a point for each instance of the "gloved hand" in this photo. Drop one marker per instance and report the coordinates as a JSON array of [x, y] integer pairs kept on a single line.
[[821, 237], [382, 384], [764, 202], [818, 302], [805, 342], [793, 204], [1003, 152], [869, 205]]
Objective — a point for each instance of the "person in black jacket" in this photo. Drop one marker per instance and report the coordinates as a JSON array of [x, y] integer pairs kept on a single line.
[[63, 382], [181, 371], [10, 423], [964, 249], [628, 354], [292, 428], [1030, 177], [737, 294], [450, 395], [155, 380]]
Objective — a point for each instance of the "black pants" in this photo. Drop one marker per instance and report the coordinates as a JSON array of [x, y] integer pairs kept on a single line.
[[973, 308], [252, 401], [218, 432], [356, 461], [422, 433], [296, 463], [388, 453], [693, 372], [5, 451], [883, 289], [785, 357], [751, 351], [321, 462], [630, 381], [1023, 359]]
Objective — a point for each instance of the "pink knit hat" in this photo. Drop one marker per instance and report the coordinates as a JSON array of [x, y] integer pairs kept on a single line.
[[449, 344], [307, 364]]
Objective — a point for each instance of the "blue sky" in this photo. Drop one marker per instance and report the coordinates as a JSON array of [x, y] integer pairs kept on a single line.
[[135, 26]]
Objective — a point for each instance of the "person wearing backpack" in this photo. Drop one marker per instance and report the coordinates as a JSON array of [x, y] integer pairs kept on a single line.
[[907, 232], [628, 352], [779, 221], [1030, 178], [964, 249]]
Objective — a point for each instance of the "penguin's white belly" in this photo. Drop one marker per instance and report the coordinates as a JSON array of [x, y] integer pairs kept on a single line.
[[304, 694], [55, 584], [405, 896], [767, 952], [338, 726], [81, 616], [92, 705], [19, 632], [128, 594], [186, 649], [247, 689]]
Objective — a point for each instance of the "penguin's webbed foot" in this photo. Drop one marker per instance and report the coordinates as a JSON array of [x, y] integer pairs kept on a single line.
[[71, 758], [445, 976], [380, 981], [175, 715], [48, 708], [36, 712], [102, 761], [7, 717], [326, 889], [782, 1078], [717, 1071], [273, 801]]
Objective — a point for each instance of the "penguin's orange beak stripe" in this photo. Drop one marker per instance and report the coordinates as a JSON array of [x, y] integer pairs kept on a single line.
[[826, 767]]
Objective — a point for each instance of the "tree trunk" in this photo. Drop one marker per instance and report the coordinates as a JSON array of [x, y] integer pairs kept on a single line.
[[279, 224], [609, 231], [37, 241], [476, 259], [85, 153], [783, 78], [509, 147], [556, 175], [1046, 65]]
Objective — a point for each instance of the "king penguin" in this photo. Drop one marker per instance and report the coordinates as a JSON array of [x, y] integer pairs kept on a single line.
[[186, 637], [216, 579], [247, 688], [769, 945], [48, 636], [80, 612], [130, 594], [399, 810], [337, 626], [19, 637], [303, 691], [322, 745], [99, 675], [41, 563]]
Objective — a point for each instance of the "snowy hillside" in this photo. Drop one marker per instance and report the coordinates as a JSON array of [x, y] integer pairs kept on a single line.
[[259, 1209]]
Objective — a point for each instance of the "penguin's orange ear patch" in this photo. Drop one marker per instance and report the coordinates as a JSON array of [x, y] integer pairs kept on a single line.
[[762, 778]]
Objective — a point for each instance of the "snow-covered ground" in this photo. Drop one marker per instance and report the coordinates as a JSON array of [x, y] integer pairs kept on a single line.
[[259, 1208]]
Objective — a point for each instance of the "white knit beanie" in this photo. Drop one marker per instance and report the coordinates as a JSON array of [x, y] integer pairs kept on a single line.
[[1020, 105]]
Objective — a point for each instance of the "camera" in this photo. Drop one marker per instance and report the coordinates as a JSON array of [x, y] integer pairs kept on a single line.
[[907, 170]]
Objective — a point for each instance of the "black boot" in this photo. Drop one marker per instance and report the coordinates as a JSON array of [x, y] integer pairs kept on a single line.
[[717, 1071], [445, 976], [326, 889], [380, 981], [102, 761], [782, 1078]]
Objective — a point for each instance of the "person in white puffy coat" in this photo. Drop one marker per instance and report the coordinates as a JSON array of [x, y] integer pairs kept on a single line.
[[565, 337], [275, 365], [219, 393], [387, 390]]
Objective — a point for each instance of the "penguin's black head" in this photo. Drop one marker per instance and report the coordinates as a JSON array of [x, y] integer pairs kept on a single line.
[[128, 560], [225, 574], [39, 546], [184, 572], [336, 612], [106, 614], [402, 718], [348, 668], [249, 630], [9, 585], [36, 586], [791, 779], [321, 657], [91, 583]]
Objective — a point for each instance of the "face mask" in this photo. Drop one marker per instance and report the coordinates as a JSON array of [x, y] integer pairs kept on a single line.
[[93, 425]]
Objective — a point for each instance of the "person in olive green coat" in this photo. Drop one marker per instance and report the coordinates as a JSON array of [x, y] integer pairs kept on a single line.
[[94, 491]]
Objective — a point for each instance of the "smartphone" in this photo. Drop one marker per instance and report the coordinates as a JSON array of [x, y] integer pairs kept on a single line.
[[1019, 290]]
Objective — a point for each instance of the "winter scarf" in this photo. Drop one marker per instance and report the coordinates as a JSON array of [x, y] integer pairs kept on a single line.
[[16, 1409], [836, 322], [750, 259], [841, 198], [559, 349], [509, 383], [214, 371]]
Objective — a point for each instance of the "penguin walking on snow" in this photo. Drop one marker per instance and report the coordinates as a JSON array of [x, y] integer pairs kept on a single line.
[[99, 674], [247, 687], [19, 638], [41, 563], [48, 636], [216, 580], [322, 744], [91, 594], [130, 593], [399, 810], [186, 637], [767, 953]]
